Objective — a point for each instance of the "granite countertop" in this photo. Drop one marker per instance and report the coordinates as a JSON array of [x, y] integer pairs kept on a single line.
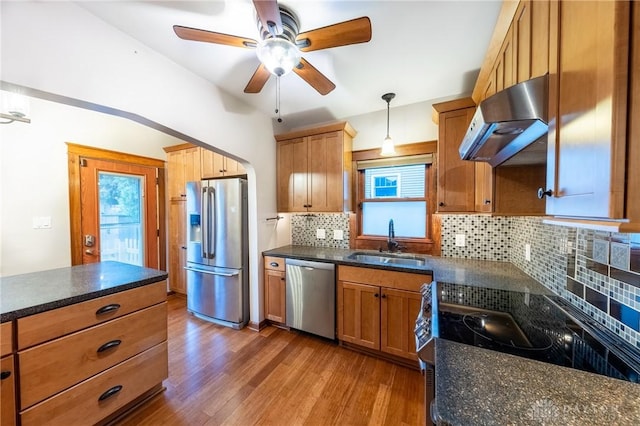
[[36, 292], [481, 273], [476, 386]]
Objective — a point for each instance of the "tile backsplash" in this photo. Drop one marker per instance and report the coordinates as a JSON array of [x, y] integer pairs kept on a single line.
[[599, 272], [307, 229]]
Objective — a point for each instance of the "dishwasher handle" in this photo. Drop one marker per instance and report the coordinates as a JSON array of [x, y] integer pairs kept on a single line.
[[309, 265]]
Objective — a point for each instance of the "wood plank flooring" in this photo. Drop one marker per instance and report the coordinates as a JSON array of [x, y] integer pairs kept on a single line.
[[219, 376]]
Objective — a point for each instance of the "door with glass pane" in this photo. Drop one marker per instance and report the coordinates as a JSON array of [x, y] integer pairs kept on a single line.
[[119, 213]]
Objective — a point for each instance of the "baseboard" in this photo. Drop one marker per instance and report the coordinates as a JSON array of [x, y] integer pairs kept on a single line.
[[254, 326]]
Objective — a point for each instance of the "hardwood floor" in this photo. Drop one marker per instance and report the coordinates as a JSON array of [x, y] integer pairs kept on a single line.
[[219, 376]]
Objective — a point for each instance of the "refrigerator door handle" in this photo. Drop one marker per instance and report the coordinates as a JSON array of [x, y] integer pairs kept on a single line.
[[222, 274], [204, 214], [212, 217]]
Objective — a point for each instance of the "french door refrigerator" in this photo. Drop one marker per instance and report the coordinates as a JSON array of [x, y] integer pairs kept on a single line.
[[217, 253]]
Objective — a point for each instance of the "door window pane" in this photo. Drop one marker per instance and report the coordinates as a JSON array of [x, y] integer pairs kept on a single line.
[[121, 218]]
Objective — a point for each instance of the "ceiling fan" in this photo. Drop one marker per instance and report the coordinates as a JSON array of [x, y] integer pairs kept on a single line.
[[281, 43]]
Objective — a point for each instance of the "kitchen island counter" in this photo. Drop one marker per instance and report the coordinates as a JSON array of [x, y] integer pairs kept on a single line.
[[478, 386], [480, 273], [36, 292]]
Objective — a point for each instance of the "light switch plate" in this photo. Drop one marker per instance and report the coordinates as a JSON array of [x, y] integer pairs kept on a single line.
[[338, 234], [321, 234]]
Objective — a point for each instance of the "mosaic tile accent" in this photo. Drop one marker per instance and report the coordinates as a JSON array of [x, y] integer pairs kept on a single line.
[[304, 229], [570, 262]]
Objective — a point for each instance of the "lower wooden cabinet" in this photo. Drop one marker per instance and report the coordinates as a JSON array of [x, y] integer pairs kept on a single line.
[[274, 289], [81, 363], [7, 392], [377, 309]]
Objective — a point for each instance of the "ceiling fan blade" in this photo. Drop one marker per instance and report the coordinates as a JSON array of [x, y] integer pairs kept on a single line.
[[269, 14], [315, 78], [258, 80], [341, 34], [195, 34]]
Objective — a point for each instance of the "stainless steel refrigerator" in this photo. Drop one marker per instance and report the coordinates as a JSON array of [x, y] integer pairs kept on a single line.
[[217, 252]]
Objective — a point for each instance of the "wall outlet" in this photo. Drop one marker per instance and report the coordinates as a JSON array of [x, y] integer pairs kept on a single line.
[[338, 234], [527, 252], [321, 234], [460, 240]]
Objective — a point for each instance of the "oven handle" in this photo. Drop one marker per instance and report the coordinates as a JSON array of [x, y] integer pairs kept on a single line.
[[433, 412]]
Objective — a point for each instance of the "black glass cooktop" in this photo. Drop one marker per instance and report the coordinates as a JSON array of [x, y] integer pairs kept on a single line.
[[540, 327]]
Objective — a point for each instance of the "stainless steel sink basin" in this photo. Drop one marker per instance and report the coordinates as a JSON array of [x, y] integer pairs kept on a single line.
[[388, 258]]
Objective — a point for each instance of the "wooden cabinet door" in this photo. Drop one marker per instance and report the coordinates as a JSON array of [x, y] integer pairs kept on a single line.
[[399, 310], [192, 164], [176, 175], [588, 107], [274, 295], [212, 164], [177, 246], [325, 168], [484, 187], [521, 32], [7, 392], [539, 47], [292, 175], [233, 168], [359, 314], [456, 178]]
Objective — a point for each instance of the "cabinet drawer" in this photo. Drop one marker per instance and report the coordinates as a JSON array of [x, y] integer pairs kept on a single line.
[[6, 338], [81, 404], [58, 322], [274, 263], [7, 393], [383, 278], [54, 366]]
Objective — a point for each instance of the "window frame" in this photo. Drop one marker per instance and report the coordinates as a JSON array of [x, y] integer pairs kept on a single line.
[[428, 245], [374, 187]]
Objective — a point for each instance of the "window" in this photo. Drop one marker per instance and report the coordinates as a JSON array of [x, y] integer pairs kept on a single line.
[[385, 199]]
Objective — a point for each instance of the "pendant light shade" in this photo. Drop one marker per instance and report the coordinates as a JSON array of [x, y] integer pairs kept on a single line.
[[388, 147]]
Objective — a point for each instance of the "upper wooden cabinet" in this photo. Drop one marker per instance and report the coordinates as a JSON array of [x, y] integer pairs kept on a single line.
[[314, 169], [183, 165], [456, 177], [593, 162], [215, 165]]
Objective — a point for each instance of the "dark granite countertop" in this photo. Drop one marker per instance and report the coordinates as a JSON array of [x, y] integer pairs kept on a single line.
[[28, 294], [481, 273], [475, 386]]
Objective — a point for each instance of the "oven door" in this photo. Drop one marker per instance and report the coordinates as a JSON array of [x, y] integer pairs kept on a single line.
[[425, 332]]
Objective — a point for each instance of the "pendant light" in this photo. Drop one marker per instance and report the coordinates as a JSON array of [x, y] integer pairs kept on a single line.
[[388, 147]]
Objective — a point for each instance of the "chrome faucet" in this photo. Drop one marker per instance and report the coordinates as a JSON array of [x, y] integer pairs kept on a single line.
[[392, 244]]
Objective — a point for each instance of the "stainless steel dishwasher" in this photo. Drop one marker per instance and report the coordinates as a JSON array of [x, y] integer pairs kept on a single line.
[[311, 297]]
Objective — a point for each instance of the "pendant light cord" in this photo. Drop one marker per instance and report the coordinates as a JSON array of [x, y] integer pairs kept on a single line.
[[388, 117]]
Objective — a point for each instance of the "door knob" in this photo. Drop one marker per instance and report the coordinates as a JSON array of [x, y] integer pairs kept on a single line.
[[89, 251]]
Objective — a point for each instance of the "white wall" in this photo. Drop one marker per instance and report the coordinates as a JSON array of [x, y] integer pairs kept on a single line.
[[34, 177], [60, 48], [407, 124]]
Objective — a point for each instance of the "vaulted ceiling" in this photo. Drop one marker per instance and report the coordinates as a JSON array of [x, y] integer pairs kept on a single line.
[[421, 50]]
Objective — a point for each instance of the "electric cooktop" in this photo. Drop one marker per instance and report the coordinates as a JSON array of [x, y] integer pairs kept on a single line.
[[540, 327]]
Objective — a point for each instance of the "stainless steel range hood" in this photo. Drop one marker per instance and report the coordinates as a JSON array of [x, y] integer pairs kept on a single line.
[[512, 121]]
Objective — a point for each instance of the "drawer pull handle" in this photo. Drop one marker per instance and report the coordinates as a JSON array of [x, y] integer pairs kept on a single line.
[[274, 264], [109, 345], [109, 393], [5, 375], [108, 308]]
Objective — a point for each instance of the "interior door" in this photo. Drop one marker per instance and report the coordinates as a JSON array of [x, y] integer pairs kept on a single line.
[[119, 212]]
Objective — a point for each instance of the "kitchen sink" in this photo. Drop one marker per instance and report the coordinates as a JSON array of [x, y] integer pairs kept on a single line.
[[388, 258]]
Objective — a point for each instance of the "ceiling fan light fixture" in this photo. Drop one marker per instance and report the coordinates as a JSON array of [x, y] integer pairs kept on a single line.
[[280, 56], [388, 147]]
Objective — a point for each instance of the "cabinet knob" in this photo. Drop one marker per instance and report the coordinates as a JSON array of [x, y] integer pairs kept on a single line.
[[5, 375], [487, 201], [542, 193], [376, 295], [384, 296], [441, 204]]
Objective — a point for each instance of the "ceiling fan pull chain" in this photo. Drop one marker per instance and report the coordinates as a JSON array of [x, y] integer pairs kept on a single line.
[[278, 98]]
